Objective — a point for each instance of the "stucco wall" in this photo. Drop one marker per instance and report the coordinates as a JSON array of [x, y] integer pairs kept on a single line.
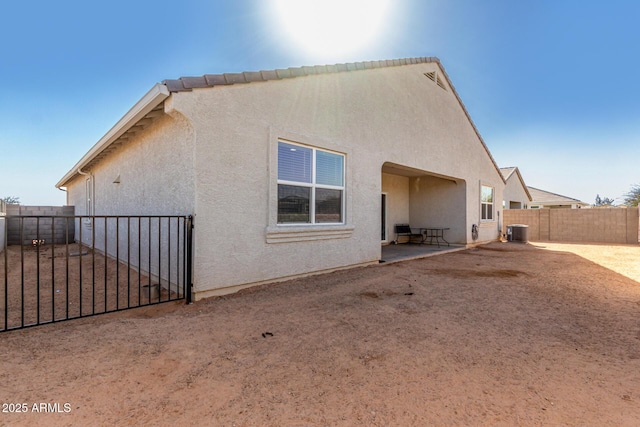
[[397, 189], [154, 176], [154, 170], [514, 192], [375, 116], [616, 225], [440, 203]]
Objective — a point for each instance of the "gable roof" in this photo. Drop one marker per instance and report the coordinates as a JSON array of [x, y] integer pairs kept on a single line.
[[210, 80], [506, 174], [137, 118], [150, 106], [548, 198]]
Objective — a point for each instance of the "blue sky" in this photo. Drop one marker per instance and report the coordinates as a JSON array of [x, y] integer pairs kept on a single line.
[[552, 86]]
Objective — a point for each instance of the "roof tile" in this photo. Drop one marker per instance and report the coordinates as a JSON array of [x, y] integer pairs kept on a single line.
[[194, 82], [215, 79], [252, 76], [269, 75], [210, 80], [284, 73], [233, 78], [174, 85], [296, 72], [321, 69], [309, 70]]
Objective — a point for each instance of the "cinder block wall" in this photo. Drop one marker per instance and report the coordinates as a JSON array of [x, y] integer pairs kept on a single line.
[[616, 225], [51, 226]]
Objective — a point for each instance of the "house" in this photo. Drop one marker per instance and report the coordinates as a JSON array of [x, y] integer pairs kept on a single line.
[[296, 171], [516, 194], [546, 199]]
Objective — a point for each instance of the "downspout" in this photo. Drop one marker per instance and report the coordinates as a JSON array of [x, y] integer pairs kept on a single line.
[[93, 191]]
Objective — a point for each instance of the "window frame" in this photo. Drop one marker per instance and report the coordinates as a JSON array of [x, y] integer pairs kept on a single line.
[[492, 204], [313, 186]]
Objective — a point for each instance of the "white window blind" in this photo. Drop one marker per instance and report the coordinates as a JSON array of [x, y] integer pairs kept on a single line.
[[310, 185]]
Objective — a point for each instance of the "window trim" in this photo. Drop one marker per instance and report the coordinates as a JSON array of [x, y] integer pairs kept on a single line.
[[492, 204], [313, 185], [276, 233]]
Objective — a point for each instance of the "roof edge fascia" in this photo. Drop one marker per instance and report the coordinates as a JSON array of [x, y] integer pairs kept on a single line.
[[157, 94], [526, 189], [473, 125]]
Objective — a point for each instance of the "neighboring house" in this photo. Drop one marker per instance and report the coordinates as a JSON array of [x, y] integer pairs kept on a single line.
[[516, 194], [545, 199], [296, 171]]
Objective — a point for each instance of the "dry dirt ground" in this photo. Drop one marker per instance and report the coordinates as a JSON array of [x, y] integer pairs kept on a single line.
[[503, 334], [36, 275]]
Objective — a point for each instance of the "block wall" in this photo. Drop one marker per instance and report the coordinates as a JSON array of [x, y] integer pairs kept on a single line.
[[51, 224], [616, 225]]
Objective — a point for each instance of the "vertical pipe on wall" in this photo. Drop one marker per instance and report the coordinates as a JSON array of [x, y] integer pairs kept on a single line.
[[92, 185]]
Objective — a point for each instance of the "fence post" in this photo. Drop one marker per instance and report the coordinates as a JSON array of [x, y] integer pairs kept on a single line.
[[189, 243]]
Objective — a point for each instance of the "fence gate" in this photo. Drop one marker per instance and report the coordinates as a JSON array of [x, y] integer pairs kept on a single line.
[[55, 268]]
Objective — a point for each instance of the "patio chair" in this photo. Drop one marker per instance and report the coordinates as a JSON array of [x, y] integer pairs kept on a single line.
[[404, 230]]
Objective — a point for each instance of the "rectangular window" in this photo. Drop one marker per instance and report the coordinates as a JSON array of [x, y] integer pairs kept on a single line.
[[310, 185], [486, 203]]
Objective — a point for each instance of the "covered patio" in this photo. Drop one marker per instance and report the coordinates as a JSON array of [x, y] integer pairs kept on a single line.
[[422, 199]]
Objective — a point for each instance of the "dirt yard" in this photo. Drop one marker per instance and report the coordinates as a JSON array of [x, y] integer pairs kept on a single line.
[[75, 278], [504, 334]]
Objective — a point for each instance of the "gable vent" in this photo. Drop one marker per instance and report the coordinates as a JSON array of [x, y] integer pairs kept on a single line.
[[435, 77]]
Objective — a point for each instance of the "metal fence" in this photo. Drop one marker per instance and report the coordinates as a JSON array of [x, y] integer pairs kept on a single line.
[[78, 266]]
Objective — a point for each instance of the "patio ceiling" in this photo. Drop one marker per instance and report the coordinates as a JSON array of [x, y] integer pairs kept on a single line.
[[395, 169]]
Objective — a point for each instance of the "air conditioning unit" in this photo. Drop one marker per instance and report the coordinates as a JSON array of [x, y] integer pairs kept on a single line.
[[518, 233]]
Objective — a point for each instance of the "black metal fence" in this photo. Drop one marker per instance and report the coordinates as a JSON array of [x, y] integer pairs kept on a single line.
[[78, 266]]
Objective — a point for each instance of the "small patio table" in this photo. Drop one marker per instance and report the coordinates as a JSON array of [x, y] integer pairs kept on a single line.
[[436, 233]]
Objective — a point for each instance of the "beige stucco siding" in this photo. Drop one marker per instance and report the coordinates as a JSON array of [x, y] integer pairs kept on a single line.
[[154, 169], [439, 203], [514, 192], [397, 190], [375, 116], [154, 176]]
